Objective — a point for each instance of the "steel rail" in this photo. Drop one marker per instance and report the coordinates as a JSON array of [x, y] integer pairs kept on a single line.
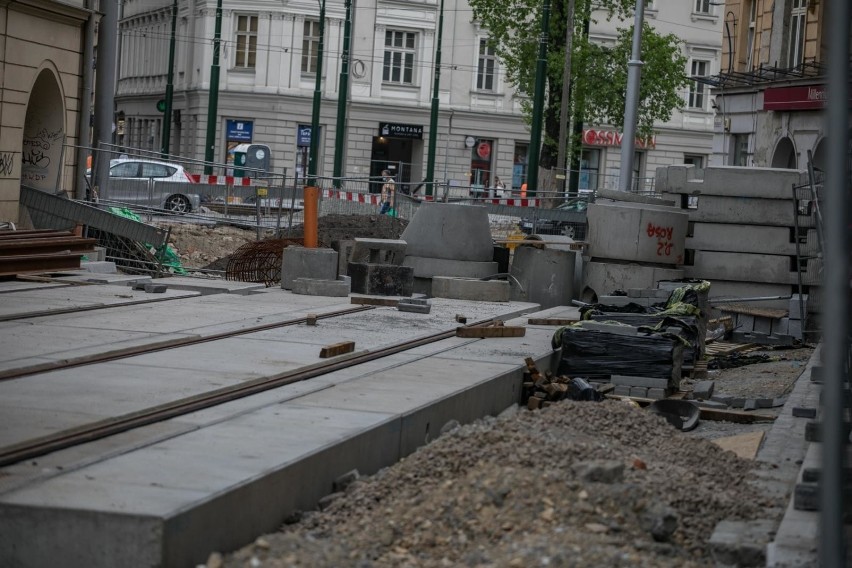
[[16, 453], [162, 346]]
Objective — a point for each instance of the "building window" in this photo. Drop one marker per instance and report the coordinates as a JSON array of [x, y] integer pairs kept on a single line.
[[480, 166], [590, 165], [740, 150], [696, 160], [487, 65], [797, 33], [639, 183], [246, 50], [519, 166], [752, 26], [310, 46], [698, 89], [703, 6], [399, 57]]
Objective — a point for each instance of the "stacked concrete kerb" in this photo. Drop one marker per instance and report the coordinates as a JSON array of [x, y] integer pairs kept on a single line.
[[743, 238], [632, 244], [448, 239], [312, 263]]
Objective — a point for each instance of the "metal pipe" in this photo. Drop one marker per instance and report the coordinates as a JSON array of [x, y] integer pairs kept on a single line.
[[836, 288], [105, 93], [343, 95], [213, 96], [566, 90], [433, 118], [83, 123], [634, 72], [315, 112], [167, 114], [538, 102]]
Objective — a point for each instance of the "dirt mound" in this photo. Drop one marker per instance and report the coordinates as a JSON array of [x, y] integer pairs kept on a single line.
[[575, 484]]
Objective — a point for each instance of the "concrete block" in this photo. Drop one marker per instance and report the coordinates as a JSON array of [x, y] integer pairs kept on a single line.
[[743, 322], [647, 382], [415, 301], [741, 239], [414, 308], [316, 287], [657, 394], [721, 288], [470, 289], [381, 279], [621, 390], [639, 392], [624, 300], [653, 293], [637, 232], [771, 183], [803, 412], [542, 276], [742, 543], [797, 302], [762, 325], [98, 255], [378, 251], [301, 262], [425, 267], [806, 497], [344, 253], [795, 329], [703, 390], [614, 329], [98, 267], [602, 278], [449, 231], [781, 326], [763, 268]]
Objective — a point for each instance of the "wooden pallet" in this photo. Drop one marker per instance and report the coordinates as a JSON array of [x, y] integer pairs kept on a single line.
[[717, 348]]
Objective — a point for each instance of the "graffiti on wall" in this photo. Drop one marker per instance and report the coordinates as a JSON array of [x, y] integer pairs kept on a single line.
[[37, 154], [7, 163]]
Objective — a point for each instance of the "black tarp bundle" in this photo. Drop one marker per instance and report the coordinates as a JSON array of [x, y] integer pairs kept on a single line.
[[591, 353]]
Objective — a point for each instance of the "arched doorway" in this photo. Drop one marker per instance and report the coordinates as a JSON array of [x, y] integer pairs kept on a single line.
[[44, 134], [785, 154]]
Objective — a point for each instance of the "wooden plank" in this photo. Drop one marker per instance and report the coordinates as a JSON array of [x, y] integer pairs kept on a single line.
[[375, 301], [551, 321], [744, 445], [495, 331], [337, 349]]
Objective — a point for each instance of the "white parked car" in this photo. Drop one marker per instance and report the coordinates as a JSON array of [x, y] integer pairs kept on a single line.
[[152, 184]]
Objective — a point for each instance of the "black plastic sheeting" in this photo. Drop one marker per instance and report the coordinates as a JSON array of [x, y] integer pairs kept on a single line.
[[591, 353]]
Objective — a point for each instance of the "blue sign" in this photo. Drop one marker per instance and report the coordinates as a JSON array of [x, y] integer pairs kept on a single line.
[[303, 135], [238, 130]]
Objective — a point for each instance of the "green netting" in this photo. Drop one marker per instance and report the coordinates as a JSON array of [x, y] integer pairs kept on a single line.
[[167, 257]]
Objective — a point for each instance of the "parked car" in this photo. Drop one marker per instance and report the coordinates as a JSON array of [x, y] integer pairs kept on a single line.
[[130, 179], [545, 226]]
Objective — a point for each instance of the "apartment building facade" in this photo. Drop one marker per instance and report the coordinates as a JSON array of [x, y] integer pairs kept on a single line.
[[41, 49], [267, 78], [771, 91]]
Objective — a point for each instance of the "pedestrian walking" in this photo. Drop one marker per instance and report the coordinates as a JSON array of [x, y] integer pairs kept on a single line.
[[388, 194]]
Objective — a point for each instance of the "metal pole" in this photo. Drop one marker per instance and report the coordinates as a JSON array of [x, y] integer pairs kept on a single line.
[[340, 132], [312, 159], [634, 70], [167, 115], [836, 286], [433, 118], [105, 93], [538, 102], [83, 125], [213, 99], [566, 89]]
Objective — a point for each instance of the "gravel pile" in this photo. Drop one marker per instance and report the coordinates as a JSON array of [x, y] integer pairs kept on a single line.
[[575, 484]]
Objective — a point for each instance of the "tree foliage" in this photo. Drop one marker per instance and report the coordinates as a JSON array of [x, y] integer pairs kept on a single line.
[[599, 72]]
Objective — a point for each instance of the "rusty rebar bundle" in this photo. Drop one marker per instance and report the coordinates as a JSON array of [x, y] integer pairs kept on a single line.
[[259, 261]]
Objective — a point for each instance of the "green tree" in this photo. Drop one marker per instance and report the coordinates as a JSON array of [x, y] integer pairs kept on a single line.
[[599, 72]]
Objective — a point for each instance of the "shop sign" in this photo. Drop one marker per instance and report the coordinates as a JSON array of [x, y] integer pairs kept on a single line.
[[395, 130], [811, 97], [238, 130], [594, 137]]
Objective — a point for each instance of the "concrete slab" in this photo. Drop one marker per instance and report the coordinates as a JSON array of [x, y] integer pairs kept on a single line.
[[430, 267], [470, 289], [747, 211], [301, 262], [450, 231], [602, 278], [742, 239], [206, 286], [543, 276], [637, 232], [763, 268]]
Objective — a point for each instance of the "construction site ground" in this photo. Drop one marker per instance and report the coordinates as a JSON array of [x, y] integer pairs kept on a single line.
[[402, 461]]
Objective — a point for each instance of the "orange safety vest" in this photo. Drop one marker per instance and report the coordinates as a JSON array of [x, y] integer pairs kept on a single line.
[[523, 191]]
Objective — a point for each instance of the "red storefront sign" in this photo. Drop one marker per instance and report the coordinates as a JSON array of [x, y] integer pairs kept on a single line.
[[592, 137], [811, 97]]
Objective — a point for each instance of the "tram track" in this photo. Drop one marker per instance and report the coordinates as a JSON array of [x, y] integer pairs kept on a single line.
[[117, 354], [36, 447]]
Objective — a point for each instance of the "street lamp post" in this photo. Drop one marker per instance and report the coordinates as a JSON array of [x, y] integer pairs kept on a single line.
[[315, 115], [213, 100]]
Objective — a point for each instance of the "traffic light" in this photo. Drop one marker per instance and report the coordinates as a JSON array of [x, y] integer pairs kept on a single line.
[[161, 105]]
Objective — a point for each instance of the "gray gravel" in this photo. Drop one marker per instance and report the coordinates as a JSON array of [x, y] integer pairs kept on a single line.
[[575, 484]]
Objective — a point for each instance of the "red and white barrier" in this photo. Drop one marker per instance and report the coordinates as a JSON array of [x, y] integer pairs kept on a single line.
[[220, 180], [513, 202], [369, 198]]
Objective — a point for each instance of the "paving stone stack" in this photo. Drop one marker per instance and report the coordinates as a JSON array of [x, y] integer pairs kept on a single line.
[[743, 231], [375, 267]]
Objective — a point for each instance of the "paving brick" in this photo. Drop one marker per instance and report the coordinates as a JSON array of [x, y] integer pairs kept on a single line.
[[639, 392], [802, 412], [762, 325], [744, 322], [795, 301], [806, 497], [741, 543], [155, 288], [414, 308], [657, 394], [621, 391], [703, 390]]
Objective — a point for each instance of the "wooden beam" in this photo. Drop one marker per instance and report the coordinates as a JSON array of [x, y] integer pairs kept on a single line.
[[491, 331], [375, 301], [551, 321], [337, 349]]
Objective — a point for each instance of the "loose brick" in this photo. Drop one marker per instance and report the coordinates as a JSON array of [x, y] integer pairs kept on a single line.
[[803, 412]]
